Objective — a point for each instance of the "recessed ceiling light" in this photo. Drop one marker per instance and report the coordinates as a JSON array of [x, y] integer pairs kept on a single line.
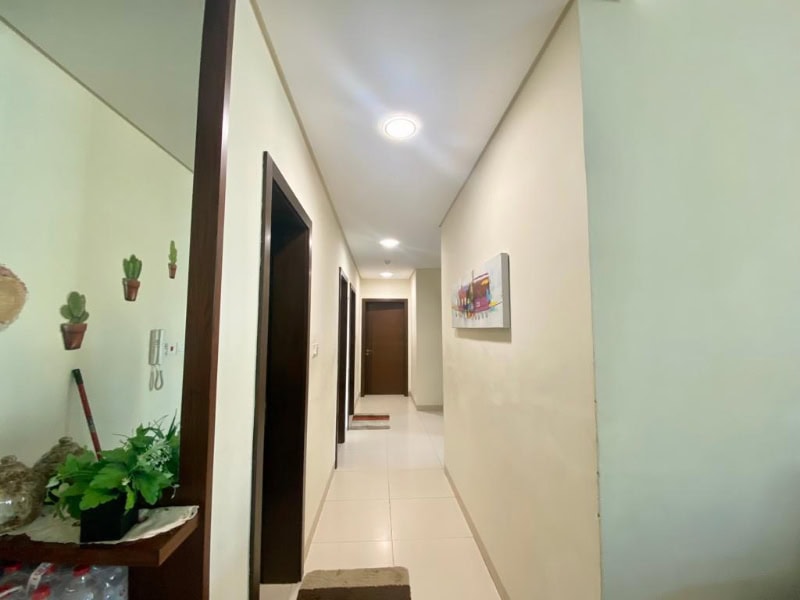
[[400, 127], [390, 243], [387, 275]]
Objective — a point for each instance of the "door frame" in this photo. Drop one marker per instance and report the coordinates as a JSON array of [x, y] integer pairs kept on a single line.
[[273, 176], [351, 387], [364, 302], [343, 296]]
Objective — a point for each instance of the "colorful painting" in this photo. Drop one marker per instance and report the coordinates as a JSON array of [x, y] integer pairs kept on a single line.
[[481, 299]]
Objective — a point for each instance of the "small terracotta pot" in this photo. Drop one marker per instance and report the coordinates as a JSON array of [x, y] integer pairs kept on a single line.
[[131, 289], [172, 270], [73, 335]]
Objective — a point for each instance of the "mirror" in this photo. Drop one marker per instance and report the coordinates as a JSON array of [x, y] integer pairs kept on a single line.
[[97, 127]]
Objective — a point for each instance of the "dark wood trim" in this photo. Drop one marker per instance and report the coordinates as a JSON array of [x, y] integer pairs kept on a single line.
[[351, 389], [341, 364], [271, 177], [198, 406], [152, 552], [364, 302]]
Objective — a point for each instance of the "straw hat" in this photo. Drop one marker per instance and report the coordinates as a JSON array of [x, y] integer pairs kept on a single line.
[[13, 294]]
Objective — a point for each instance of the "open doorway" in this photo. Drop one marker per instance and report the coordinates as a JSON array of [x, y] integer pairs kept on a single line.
[[384, 359], [281, 386]]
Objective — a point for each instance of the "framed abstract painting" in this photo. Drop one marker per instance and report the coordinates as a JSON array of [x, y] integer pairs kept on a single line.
[[481, 299]]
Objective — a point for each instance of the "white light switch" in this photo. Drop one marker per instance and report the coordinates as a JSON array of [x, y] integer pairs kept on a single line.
[[314, 350]]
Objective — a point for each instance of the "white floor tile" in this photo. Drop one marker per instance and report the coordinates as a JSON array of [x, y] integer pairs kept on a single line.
[[412, 455], [421, 527], [354, 521], [359, 485], [363, 450], [349, 555], [427, 519], [445, 569], [419, 483], [432, 421], [438, 447]]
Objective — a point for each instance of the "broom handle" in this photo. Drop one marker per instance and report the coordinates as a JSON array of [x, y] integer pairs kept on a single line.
[[87, 410]]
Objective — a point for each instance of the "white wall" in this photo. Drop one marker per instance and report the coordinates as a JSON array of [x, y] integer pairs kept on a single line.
[[261, 120], [79, 190], [520, 440], [692, 148], [426, 338]]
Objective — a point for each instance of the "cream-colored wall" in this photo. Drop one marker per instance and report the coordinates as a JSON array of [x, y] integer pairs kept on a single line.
[[261, 119], [386, 288], [426, 338], [520, 441], [80, 189], [692, 150], [382, 289]]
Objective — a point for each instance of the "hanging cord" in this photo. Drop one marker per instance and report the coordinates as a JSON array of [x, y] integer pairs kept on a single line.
[[156, 378]]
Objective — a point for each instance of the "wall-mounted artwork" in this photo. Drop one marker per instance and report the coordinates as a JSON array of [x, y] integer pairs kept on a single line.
[[482, 299], [13, 295], [172, 265]]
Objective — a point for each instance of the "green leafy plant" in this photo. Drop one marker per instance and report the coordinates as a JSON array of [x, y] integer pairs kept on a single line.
[[139, 470], [74, 311], [173, 253], [132, 267]]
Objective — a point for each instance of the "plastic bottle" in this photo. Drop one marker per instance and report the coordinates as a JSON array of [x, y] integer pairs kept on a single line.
[[81, 586], [12, 592], [112, 582], [43, 592], [14, 574], [48, 574]]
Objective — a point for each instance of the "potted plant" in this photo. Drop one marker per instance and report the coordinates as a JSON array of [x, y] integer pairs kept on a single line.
[[173, 259], [132, 267], [104, 492], [74, 311]]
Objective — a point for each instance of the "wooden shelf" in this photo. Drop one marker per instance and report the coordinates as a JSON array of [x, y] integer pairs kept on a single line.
[[151, 552]]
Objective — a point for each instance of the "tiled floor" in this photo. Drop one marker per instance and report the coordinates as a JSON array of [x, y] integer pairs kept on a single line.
[[391, 504]]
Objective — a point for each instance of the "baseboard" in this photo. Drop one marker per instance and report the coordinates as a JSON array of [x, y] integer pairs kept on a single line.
[[501, 590], [313, 531]]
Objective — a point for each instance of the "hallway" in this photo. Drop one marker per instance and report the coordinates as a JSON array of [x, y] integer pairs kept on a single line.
[[390, 504]]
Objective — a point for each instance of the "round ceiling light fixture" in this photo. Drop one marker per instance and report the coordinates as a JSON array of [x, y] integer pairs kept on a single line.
[[390, 243], [387, 275], [400, 127]]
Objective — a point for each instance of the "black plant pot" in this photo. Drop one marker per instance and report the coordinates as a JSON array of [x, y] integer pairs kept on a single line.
[[107, 522]]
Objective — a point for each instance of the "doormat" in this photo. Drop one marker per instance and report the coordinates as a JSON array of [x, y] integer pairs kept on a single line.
[[390, 583], [369, 421]]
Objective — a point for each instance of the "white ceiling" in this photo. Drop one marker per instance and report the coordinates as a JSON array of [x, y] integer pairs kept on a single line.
[[141, 56], [455, 64]]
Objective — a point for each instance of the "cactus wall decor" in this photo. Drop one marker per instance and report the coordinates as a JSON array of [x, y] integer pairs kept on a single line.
[[173, 259], [132, 267], [74, 311]]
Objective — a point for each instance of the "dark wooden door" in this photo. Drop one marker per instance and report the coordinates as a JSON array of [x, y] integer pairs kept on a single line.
[[385, 347]]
